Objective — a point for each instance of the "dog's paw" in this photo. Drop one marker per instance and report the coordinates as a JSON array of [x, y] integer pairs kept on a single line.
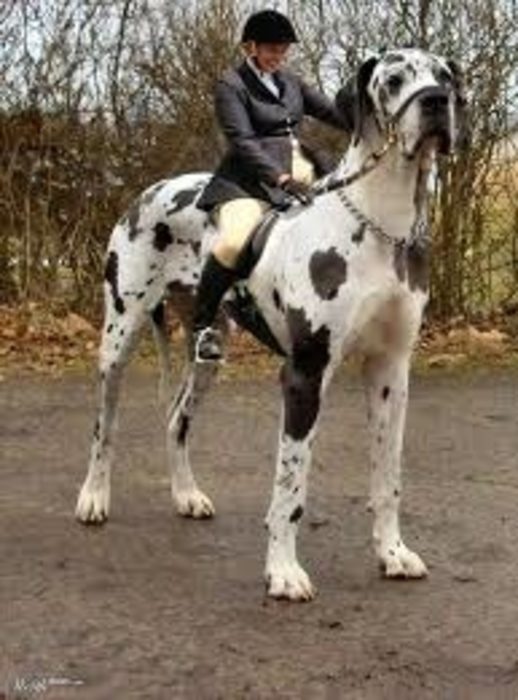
[[193, 504], [289, 582], [93, 504], [401, 562]]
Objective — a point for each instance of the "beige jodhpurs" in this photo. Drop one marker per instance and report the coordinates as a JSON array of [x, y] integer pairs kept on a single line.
[[237, 218]]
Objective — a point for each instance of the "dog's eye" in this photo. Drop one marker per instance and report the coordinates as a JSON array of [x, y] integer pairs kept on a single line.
[[394, 83]]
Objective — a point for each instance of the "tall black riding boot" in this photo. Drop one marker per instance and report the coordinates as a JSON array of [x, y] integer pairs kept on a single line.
[[215, 280]]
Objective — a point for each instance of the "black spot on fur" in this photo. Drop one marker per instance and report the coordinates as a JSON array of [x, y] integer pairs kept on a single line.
[[301, 376], [110, 328], [182, 199], [385, 393], [328, 270], [196, 247], [418, 266], [141, 295], [133, 215], [414, 262], [183, 429], [393, 58], [119, 306], [277, 300], [150, 194], [297, 514], [133, 218], [400, 262], [411, 70], [396, 494], [97, 430], [158, 315], [111, 276], [121, 332], [359, 234], [149, 282], [163, 237]]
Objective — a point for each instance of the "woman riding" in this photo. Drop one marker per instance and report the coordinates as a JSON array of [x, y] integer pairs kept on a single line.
[[260, 108]]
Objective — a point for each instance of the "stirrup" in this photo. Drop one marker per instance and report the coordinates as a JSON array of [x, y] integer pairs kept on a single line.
[[208, 345]]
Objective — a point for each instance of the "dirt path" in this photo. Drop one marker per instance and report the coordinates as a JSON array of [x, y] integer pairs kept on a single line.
[[153, 606]]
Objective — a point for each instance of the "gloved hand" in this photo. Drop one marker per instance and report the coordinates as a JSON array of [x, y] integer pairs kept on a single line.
[[299, 190]]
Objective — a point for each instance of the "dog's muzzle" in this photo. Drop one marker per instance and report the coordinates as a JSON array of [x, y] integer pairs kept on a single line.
[[435, 117], [435, 121]]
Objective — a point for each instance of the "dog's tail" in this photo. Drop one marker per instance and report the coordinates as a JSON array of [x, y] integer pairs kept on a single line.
[[163, 345]]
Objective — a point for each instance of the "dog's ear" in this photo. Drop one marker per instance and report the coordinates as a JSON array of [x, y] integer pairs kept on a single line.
[[353, 99], [462, 121]]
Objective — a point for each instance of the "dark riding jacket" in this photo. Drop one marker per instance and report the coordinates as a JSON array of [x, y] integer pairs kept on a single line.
[[259, 128]]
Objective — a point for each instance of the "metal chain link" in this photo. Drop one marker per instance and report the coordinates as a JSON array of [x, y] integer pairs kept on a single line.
[[374, 228]]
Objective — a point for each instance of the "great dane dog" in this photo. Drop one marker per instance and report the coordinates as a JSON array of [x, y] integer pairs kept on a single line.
[[348, 272]]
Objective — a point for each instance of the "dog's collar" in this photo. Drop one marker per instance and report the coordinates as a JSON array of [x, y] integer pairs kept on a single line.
[[419, 231]]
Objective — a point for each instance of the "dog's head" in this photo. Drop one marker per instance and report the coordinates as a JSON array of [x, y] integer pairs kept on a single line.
[[416, 94]]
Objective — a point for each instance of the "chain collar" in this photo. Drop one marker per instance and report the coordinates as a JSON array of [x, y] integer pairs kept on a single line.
[[419, 231], [377, 230]]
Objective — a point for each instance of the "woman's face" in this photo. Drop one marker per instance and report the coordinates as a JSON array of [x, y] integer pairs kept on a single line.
[[269, 57]]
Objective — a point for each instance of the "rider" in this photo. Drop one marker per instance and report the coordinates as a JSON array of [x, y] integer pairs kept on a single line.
[[259, 107]]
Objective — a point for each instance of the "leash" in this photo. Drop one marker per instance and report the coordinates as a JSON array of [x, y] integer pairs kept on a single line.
[[369, 164]]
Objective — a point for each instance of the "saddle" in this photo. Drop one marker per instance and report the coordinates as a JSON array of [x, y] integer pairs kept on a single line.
[[253, 248], [241, 306]]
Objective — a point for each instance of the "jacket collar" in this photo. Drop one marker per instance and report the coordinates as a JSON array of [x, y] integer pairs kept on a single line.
[[254, 84]]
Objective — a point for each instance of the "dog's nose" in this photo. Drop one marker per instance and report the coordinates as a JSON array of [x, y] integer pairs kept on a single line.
[[434, 102]]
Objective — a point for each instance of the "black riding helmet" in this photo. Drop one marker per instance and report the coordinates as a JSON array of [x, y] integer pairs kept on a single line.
[[269, 27]]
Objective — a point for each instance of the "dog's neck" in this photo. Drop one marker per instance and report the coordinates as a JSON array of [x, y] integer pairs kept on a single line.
[[390, 194]]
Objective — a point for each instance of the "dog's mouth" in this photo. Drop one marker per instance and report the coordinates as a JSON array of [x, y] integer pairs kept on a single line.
[[436, 138]]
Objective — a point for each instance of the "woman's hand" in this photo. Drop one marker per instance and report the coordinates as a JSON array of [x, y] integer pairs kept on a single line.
[[295, 188]]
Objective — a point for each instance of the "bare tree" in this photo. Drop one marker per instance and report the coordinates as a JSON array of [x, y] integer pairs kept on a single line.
[[99, 99]]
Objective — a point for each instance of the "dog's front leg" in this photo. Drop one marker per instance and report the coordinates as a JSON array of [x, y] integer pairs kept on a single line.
[[387, 394], [302, 390]]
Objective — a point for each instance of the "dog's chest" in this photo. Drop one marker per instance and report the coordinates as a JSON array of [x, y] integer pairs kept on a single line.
[[344, 280]]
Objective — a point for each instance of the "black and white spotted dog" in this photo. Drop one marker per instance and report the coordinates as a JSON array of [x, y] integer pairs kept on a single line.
[[346, 273]]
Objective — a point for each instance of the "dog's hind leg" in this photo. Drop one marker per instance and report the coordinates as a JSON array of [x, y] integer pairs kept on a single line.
[[119, 337], [386, 380], [187, 497]]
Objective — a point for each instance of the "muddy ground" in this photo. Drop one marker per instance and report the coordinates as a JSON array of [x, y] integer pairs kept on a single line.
[[152, 606]]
